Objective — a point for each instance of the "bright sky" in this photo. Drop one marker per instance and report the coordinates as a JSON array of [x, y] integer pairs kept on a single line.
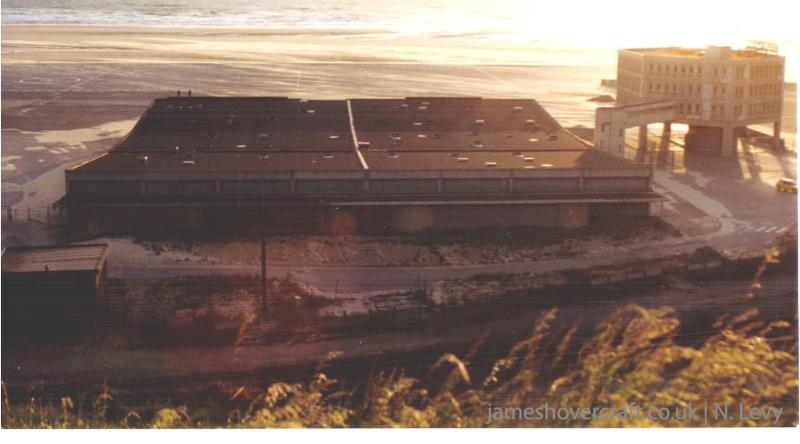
[[647, 23], [615, 23]]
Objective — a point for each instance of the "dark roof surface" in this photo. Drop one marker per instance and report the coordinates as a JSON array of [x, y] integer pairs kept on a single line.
[[251, 134], [224, 162], [241, 124], [54, 258]]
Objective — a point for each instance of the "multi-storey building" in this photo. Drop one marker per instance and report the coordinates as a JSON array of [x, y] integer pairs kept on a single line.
[[718, 91]]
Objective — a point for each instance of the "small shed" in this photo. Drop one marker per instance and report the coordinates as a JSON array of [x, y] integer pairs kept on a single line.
[[50, 289]]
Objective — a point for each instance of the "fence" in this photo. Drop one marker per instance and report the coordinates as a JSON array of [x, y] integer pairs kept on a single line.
[[52, 217]]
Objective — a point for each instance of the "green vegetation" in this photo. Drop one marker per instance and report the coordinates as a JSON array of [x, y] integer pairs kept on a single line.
[[633, 356]]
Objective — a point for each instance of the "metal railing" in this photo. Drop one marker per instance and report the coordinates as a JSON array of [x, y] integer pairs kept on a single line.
[[45, 214]]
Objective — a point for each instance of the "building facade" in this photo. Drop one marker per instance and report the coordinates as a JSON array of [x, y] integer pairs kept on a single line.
[[50, 290], [717, 91], [342, 166]]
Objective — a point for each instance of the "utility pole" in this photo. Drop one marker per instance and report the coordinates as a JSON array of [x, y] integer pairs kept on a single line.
[[263, 250], [263, 271]]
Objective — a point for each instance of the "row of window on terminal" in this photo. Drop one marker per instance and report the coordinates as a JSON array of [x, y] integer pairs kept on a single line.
[[719, 111], [717, 90], [740, 72]]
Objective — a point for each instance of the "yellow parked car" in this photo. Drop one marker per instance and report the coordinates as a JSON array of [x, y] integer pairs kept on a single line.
[[786, 185]]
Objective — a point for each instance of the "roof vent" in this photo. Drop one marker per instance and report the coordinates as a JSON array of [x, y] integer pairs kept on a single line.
[[311, 111], [333, 137], [479, 121], [263, 156], [529, 167], [417, 123], [533, 139], [477, 144], [517, 154], [490, 164], [530, 121], [263, 136], [422, 107], [547, 165], [188, 163], [518, 109], [241, 146], [363, 145], [143, 160], [327, 156], [422, 136], [462, 159], [392, 155], [395, 136], [527, 159]]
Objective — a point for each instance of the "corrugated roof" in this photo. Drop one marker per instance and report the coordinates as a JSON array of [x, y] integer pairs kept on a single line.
[[86, 257]]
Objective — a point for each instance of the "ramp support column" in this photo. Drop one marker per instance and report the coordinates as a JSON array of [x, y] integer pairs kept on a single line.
[[728, 142], [642, 137]]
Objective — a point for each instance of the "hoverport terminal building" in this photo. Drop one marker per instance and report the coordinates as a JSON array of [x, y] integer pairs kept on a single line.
[[340, 166], [718, 91]]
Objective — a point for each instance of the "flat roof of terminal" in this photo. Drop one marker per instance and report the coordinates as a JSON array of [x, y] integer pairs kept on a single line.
[[673, 51], [87, 257], [251, 134]]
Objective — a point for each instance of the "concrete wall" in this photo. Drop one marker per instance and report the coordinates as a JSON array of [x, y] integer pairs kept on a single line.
[[157, 221]]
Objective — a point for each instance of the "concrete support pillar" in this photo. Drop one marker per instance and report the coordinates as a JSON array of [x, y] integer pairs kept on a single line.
[[776, 134], [667, 128], [728, 142], [573, 215], [642, 137]]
